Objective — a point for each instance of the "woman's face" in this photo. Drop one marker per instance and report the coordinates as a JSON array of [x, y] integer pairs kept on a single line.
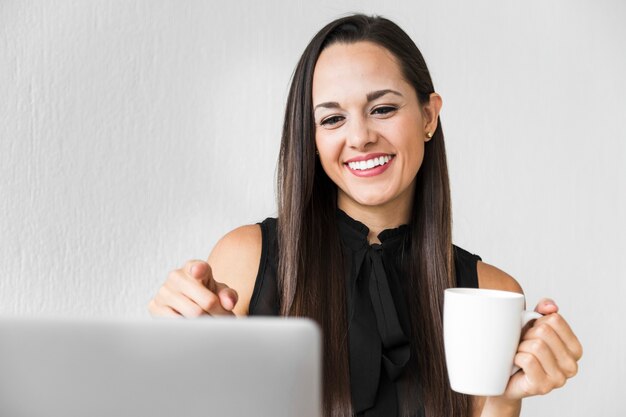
[[370, 128]]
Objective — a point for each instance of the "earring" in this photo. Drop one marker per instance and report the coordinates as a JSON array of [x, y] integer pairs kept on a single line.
[[317, 152], [429, 134]]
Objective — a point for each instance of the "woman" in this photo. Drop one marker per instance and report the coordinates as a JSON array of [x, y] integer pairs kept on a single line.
[[362, 243]]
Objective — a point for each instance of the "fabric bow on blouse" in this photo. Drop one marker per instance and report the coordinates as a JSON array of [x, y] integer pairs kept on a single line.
[[377, 316]]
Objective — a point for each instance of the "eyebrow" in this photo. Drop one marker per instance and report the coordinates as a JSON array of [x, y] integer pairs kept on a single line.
[[370, 97]]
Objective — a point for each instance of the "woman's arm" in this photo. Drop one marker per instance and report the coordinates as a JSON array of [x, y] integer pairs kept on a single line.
[[547, 354], [235, 262], [221, 286]]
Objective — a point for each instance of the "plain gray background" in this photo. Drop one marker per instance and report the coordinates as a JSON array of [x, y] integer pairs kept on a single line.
[[133, 134]]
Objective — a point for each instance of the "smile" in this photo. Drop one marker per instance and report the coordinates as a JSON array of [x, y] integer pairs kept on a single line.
[[370, 166], [370, 163]]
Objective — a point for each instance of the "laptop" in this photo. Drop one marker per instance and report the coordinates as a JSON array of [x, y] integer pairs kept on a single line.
[[264, 367]]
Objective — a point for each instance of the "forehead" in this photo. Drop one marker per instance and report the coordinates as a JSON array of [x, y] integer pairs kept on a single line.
[[355, 69]]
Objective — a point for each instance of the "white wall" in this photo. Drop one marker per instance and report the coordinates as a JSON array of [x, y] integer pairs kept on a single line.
[[133, 134]]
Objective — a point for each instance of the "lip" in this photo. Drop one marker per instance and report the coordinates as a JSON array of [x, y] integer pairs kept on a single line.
[[372, 172]]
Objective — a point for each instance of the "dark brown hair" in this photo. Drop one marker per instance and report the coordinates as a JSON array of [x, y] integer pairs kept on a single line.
[[310, 268]]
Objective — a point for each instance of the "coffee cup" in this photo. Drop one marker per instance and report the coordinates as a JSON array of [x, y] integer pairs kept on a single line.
[[481, 331]]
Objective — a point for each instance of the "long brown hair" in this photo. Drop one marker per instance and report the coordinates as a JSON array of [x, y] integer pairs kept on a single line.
[[310, 268]]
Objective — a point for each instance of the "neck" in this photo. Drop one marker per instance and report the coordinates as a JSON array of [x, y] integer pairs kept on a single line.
[[377, 218]]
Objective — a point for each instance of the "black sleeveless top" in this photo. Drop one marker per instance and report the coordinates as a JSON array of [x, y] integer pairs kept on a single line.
[[378, 316]]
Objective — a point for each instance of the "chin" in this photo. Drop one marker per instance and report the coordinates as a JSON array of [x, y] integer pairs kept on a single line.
[[371, 200]]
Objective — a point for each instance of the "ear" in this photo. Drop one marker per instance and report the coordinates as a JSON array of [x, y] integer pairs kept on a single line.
[[430, 112]]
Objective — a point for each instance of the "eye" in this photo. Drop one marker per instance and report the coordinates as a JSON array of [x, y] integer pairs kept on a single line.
[[384, 110], [332, 121]]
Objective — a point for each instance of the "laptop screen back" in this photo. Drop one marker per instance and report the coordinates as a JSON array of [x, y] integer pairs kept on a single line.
[[160, 368]]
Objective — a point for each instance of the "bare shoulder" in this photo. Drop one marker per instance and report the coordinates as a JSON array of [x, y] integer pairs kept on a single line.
[[235, 262], [493, 278]]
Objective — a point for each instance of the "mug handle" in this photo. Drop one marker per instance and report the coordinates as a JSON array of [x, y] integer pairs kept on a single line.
[[527, 316]]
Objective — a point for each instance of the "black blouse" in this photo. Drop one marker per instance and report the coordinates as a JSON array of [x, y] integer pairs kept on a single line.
[[378, 315]]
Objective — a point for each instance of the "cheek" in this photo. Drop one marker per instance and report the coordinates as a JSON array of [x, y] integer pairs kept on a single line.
[[409, 143], [415, 156], [329, 152]]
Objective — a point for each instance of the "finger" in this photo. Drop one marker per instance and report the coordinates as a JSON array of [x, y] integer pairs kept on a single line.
[[532, 379], [227, 296], [190, 287], [199, 270], [546, 306], [197, 293], [565, 359], [553, 377], [179, 303], [564, 331], [157, 310]]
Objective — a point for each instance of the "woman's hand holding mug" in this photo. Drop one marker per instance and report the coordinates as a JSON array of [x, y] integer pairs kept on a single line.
[[548, 355], [191, 291]]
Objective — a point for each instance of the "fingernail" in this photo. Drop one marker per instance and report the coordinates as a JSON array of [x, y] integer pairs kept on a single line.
[[231, 303], [227, 303], [193, 269]]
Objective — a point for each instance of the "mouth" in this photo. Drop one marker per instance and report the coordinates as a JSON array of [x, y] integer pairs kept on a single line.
[[369, 165]]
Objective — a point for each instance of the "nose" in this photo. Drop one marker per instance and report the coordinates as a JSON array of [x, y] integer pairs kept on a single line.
[[360, 135]]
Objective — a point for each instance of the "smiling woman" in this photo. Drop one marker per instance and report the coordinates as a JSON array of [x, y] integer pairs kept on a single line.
[[363, 241]]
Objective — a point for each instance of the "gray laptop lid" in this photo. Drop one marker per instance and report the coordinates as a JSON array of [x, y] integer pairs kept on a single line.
[[158, 368]]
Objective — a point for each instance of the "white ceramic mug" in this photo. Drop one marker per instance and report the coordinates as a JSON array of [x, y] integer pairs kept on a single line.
[[481, 332]]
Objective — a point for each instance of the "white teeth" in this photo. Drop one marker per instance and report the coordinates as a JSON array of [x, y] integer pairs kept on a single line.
[[370, 163]]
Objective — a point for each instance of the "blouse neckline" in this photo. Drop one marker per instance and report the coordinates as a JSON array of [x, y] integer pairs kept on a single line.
[[354, 233]]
